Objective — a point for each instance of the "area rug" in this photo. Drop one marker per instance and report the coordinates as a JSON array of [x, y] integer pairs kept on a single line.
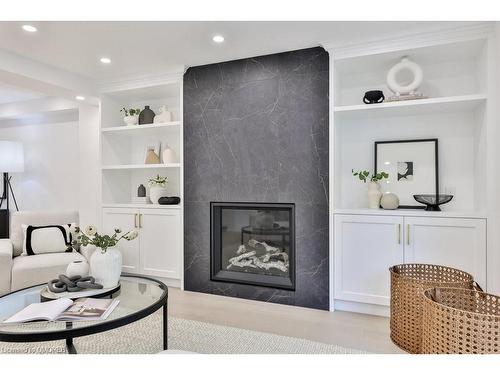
[[144, 337]]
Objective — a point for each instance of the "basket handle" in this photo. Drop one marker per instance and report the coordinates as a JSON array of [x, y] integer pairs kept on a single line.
[[477, 287]]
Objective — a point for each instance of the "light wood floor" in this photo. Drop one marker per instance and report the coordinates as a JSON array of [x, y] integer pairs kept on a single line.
[[357, 331]]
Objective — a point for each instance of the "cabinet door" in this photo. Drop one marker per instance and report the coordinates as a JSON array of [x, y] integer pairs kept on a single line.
[[365, 248], [125, 219], [161, 237], [452, 242]]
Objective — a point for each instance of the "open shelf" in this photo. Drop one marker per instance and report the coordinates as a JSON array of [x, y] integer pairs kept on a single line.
[[411, 212], [134, 128], [140, 166], [461, 103], [139, 206]]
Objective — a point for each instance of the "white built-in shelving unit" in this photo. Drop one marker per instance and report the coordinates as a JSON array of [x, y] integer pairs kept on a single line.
[[158, 251], [459, 80]]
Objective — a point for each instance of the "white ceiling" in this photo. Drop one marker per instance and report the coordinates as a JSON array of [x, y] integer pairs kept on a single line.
[[11, 94], [144, 48]]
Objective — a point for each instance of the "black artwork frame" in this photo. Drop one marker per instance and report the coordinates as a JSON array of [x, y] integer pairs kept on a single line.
[[436, 164]]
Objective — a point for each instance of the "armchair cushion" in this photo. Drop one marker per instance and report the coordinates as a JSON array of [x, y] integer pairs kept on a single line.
[[5, 265], [38, 269], [36, 218]]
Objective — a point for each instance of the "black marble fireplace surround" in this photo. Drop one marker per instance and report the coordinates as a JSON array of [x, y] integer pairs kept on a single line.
[[256, 131]]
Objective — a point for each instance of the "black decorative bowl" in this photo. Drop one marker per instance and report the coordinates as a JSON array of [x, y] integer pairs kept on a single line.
[[433, 201]]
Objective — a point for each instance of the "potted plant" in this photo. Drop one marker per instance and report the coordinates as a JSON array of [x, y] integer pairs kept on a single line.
[[131, 115], [106, 261], [157, 188], [374, 193]]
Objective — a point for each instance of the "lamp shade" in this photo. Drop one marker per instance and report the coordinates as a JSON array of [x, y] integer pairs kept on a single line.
[[11, 157]]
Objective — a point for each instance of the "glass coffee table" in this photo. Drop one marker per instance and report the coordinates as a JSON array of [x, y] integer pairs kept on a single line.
[[139, 297]]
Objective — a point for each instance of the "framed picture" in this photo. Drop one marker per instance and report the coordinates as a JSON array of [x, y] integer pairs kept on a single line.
[[412, 166]]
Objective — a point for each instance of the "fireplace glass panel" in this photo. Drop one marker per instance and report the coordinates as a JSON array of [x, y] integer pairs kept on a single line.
[[253, 244]]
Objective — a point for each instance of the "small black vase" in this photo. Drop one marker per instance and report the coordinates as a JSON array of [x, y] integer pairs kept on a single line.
[[141, 191], [146, 116]]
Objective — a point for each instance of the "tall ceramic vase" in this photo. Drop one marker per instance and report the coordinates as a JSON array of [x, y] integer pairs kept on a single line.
[[374, 195], [106, 267]]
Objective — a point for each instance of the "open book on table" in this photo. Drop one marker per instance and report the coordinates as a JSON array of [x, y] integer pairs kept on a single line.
[[64, 309]]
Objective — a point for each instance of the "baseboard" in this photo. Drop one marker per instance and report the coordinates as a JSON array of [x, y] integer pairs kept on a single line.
[[362, 308]]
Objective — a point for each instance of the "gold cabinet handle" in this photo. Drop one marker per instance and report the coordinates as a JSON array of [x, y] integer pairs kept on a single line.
[[399, 234], [407, 234], [135, 220], [140, 220]]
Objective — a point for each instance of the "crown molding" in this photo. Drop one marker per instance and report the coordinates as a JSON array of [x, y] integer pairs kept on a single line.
[[141, 81], [480, 30]]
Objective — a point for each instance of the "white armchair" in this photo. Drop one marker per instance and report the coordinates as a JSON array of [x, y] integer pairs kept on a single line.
[[17, 271]]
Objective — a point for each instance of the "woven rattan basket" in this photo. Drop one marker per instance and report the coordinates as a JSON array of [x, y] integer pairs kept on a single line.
[[460, 321], [408, 282]]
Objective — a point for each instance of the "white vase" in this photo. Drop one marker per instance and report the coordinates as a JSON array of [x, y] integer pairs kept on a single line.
[[163, 116], [106, 268], [156, 192], [77, 268], [131, 120], [374, 195], [168, 155]]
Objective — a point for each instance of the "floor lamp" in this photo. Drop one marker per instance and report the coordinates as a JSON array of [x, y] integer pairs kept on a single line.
[[11, 161]]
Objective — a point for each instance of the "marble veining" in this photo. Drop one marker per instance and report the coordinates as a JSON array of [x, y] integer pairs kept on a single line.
[[256, 130]]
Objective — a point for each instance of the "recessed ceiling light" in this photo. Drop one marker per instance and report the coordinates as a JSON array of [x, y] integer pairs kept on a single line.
[[30, 28], [218, 38], [79, 97], [105, 60]]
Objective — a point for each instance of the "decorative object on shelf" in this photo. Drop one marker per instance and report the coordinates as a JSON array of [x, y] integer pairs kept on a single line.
[[141, 191], [389, 201], [169, 200], [146, 116], [374, 193], [413, 165], [168, 155], [373, 97], [72, 284], [405, 90], [157, 188], [433, 201], [164, 116], [140, 200], [131, 115], [106, 261], [77, 268], [152, 153]]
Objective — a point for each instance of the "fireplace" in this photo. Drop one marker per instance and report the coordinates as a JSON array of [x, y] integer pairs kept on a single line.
[[253, 243]]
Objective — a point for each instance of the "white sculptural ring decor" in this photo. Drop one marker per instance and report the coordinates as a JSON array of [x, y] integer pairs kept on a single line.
[[405, 89], [106, 261]]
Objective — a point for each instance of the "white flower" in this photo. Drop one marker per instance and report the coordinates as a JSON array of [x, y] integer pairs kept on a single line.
[[90, 230], [131, 235]]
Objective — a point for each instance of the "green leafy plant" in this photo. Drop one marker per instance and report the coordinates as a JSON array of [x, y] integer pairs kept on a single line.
[[90, 236], [131, 111], [158, 181], [374, 177]]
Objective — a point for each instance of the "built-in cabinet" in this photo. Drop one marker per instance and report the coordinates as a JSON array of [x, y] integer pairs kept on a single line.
[[459, 110], [367, 245], [156, 250]]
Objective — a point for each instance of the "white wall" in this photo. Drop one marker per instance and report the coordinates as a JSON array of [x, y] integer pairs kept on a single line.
[[89, 197], [50, 178]]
